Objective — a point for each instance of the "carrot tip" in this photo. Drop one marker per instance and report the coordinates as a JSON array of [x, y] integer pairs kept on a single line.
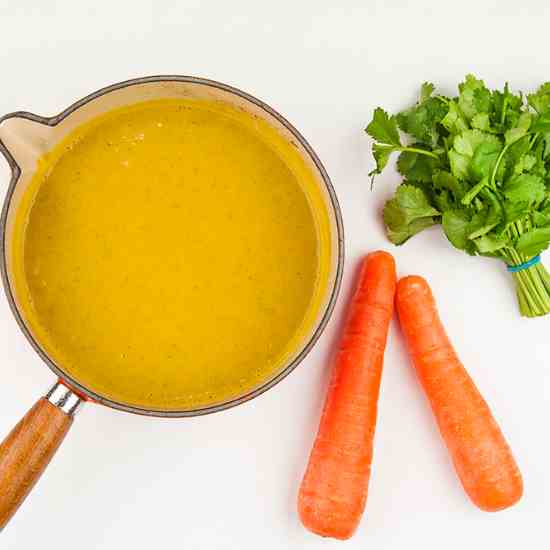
[[380, 254], [319, 525], [412, 284]]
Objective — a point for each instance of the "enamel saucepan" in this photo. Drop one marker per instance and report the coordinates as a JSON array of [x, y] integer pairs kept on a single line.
[[24, 139]]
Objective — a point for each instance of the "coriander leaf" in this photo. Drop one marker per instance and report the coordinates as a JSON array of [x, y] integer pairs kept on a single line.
[[482, 231], [426, 188], [454, 120], [524, 164], [538, 167], [443, 200], [474, 97], [526, 188], [459, 164], [489, 244], [457, 225], [464, 148], [489, 217], [404, 233], [412, 203], [496, 211], [533, 242], [512, 135], [481, 122], [470, 83], [479, 220], [421, 120], [514, 211], [541, 219], [511, 158], [542, 123], [506, 108], [468, 141], [408, 213], [426, 91], [416, 167], [383, 128], [540, 100], [482, 100], [443, 180], [485, 158], [381, 154]]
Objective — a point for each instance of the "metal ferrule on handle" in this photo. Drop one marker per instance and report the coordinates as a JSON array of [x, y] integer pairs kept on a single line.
[[64, 399]]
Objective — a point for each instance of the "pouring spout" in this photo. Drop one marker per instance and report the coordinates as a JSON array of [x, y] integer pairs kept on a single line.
[[24, 138]]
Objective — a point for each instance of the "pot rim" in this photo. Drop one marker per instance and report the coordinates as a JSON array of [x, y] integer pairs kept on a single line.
[[72, 382]]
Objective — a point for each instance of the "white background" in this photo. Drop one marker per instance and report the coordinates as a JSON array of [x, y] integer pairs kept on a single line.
[[230, 480]]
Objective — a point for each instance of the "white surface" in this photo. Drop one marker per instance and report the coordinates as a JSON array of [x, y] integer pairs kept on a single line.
[[230, 480]]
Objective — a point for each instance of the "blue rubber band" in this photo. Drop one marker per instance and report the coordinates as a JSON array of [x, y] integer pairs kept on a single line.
[[526, 265]]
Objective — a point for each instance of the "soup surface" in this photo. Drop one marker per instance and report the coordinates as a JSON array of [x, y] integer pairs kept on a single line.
[[172, 254]]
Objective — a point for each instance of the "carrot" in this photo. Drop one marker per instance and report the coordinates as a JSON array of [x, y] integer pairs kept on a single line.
[[482, 458], [333, 492]]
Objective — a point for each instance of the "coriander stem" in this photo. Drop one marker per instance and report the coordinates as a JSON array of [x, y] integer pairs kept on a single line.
[[497, 164], [504, 107], [533, 283], [442, 99], [419, 151], [499, 159]]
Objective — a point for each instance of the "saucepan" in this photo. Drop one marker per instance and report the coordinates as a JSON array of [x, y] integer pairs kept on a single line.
[[24, 139]]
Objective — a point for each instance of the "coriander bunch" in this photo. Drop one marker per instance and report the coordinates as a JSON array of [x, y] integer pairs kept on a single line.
[[479, 165]]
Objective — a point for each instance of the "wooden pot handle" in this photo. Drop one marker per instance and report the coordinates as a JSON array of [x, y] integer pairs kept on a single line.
[[30, 446]]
